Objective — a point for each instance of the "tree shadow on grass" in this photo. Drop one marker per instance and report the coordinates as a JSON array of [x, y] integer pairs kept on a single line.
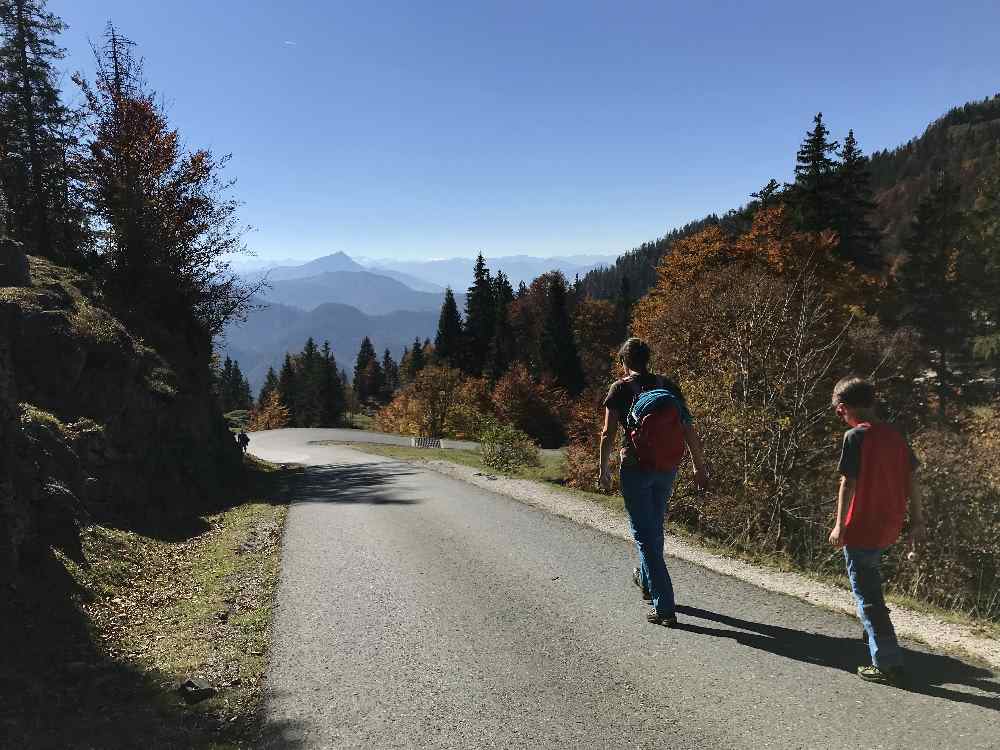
[[928, 672], [366, 483], [60, 688]]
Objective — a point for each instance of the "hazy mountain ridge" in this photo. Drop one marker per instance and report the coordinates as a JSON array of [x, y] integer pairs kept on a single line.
[[275, 329]]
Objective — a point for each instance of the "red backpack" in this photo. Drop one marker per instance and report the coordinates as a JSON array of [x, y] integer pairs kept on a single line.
[[658, 437]]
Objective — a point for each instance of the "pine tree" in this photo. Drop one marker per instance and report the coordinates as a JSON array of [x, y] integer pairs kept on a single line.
[[390, 376], [448, 342], [241, 398], [288, 392], [311, 379], [332, 399], [270, 386], [813, 195], [624, 303], [480, 311], [559, 357], [502, 351], [170, 223], [367, 372], [854, 206], [935, 279], [38, 135]]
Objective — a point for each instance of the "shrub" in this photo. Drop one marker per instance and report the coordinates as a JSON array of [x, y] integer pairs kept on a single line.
[[440, 402], [506, 448], [539, 409], [583, 452]]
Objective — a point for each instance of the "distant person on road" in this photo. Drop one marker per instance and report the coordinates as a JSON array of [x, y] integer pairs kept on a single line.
[[656, 432], [244, 440], [876, 480]]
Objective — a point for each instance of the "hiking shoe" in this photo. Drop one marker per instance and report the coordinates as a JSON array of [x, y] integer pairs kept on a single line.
[[638, 582], [884, 675], [667, 621]]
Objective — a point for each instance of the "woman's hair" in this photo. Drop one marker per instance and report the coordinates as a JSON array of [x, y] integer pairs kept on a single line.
[[855, 392], [634, 354]]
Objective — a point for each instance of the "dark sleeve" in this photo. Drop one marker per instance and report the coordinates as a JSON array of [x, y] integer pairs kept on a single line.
[[616, 398], [850, 455]]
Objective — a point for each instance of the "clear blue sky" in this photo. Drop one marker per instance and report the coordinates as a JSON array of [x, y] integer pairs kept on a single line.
[[430, 129]]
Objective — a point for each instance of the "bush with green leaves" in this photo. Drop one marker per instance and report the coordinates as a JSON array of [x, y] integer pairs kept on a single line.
[[506, 448]]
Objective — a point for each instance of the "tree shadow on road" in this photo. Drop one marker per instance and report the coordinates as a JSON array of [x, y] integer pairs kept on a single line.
[[927, 672], [371, 483]]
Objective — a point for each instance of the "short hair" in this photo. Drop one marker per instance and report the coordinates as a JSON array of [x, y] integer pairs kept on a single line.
[[855, 392], [634, 354]]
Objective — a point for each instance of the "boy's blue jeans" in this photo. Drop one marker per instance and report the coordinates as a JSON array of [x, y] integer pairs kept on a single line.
[[646, 495], [863, 568]]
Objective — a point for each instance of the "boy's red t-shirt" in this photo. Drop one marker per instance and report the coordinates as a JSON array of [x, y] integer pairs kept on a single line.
[[879, 459]]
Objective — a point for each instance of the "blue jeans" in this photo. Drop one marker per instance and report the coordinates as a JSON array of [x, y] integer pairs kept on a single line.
[[646, 496], [863, 568]]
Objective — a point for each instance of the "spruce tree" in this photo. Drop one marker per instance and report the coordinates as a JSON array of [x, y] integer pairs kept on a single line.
[[448, 343], [288, 389], [559, 357], [935, 279], [813, 195], [270, 386], [332, 396], [311, 377], [502, 351], [416, 361], [367, 373], [480, 312], [38, 135], [390, 376], [854, 206]]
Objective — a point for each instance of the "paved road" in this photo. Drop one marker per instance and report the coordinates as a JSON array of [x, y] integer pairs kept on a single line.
[[417, 611]]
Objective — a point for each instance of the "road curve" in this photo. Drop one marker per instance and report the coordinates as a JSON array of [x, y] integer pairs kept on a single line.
[[417, 611]]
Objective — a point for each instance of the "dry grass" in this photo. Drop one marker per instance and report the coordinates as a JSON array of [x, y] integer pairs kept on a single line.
[[136, 614]]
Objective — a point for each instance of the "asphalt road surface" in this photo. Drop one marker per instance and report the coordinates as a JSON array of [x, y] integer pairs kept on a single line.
[[415, 610]]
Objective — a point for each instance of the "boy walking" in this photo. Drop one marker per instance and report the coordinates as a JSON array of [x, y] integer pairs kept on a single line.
[[876, 481]]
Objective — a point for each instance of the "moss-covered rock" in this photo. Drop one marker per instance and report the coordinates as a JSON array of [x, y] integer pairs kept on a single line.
[[95, 422]]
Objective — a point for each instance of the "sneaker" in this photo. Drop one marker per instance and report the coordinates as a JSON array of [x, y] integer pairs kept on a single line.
[[884, 675], [638, 582], [667, 621]]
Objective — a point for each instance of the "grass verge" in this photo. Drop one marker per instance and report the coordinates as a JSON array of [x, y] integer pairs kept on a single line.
[[101, 638]]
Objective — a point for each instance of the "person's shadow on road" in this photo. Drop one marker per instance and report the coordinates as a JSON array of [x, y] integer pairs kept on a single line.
[[926, 672]]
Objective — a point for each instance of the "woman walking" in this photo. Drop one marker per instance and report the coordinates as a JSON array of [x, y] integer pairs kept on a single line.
[[656, 429]]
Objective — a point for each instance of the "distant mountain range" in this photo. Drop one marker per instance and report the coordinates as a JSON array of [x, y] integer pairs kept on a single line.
[[271, 331], [339, 299]]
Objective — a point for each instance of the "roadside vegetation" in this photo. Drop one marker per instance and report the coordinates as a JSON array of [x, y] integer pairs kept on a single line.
[[98, 642]]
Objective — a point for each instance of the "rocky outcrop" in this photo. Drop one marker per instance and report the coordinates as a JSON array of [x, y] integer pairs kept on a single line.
[[94, 423]]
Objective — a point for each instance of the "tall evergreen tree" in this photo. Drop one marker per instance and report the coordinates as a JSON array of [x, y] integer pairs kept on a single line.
[[935, 279], [288, 391], [559, 356], [415, 362], [390, 375], [170, 224], [503, 347], [448, 343], [332, 398], [854, 206], [37, 133], [813, 195], [983, 231], [269, 387], [367, 372], [241, 389], [480, 312]]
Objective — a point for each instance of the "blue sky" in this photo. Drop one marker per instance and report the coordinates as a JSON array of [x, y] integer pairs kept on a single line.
[[441, 128]]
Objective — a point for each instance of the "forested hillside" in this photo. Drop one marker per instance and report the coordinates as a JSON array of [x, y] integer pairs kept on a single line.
[[114, 283], [962, 143]]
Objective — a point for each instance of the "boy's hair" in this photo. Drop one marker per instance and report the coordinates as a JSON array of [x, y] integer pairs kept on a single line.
[[634, 354], [855, 392]]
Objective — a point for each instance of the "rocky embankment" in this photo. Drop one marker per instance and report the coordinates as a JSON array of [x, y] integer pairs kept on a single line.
[[94, 423]]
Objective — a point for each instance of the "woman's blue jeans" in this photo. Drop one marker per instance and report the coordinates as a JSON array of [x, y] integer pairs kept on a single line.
[[646, 496], [864, 570]]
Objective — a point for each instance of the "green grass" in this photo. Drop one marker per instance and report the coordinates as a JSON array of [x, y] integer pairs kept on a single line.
[[135, 614], [359, 421]]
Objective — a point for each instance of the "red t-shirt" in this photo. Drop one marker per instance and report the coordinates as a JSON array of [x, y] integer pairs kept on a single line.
[[879, 459]]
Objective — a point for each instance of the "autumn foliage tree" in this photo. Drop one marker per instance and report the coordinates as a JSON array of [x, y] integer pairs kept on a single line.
[[269, 415], [169, 223]]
